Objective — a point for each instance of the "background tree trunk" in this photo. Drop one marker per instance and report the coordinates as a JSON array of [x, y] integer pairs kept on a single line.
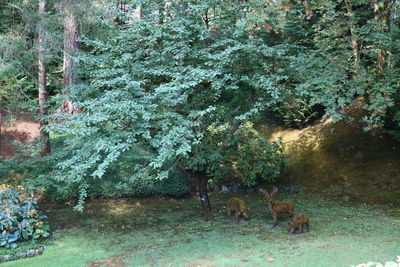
[[71, 46], [42, 79], [199, 181], [161, 11], [382, 10], [354, 40]]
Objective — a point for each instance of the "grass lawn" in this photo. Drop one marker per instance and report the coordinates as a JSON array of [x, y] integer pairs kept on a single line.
[[169, 232]]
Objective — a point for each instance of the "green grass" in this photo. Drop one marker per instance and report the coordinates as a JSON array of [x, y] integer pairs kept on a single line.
[[164, 232]]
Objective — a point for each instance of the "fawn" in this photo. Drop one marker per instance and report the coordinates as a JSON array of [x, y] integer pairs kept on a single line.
[[237, 206], [299, 222], [277, 208]]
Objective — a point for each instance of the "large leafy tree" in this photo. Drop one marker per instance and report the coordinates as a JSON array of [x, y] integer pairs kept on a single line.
[[182, 93]]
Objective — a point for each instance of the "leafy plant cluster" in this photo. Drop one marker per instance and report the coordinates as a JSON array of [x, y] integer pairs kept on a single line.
[[20, 218], [245, 156]]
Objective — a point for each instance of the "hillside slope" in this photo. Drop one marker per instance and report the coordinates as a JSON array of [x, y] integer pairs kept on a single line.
[[341, 160]]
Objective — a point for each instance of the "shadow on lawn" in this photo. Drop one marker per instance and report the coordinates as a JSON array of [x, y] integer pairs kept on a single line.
[[162, 232]]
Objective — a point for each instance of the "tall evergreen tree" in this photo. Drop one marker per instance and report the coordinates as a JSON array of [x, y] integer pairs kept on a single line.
[[42, 79]]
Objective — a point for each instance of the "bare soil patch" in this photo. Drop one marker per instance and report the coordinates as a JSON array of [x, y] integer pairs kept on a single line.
[[23, 129]]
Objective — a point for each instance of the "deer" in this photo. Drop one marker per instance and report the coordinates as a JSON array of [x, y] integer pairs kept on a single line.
[[299, 222], [237, 206], [277, 208]]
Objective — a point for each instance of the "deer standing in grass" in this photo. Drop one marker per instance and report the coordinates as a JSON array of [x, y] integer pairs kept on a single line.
[[277, 208], [237, 206], [299, 222]]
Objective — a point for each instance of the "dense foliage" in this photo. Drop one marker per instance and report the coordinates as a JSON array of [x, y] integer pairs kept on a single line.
[[163, 90], [20, 218], [189, 83], [349, 49]]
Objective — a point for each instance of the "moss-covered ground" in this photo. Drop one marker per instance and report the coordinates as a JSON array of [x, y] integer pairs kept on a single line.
[[169, 232], [342, 160]]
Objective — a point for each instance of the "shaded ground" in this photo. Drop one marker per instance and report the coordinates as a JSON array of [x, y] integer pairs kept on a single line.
[[168, 232], [343, 161]]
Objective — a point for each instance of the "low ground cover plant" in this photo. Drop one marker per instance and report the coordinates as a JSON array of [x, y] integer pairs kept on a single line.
[[20, 219]]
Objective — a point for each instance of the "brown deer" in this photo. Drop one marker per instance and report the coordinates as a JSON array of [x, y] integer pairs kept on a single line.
[[299, 222], [237, 206], [277, 208]]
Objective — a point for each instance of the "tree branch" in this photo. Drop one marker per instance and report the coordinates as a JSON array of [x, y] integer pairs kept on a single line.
[[11, 5]]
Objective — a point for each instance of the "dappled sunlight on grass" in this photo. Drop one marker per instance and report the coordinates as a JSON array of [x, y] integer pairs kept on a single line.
[[162, 232]]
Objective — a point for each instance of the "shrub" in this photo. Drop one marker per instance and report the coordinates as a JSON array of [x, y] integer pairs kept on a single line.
[[175, 185], [246, 156], [20, 218], [295, 113], [6, 166], [117, 182], [140, 185]]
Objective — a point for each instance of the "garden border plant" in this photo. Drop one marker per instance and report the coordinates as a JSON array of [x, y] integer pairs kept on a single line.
[[20, 218]]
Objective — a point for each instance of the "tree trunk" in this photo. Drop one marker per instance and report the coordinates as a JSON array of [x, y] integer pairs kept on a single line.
[[140, 11], [382, 10], [354, 41], [71, 46], [200, 181], [42, 80], [205, 201], [121, 8], [308, 9], [161, 11]]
